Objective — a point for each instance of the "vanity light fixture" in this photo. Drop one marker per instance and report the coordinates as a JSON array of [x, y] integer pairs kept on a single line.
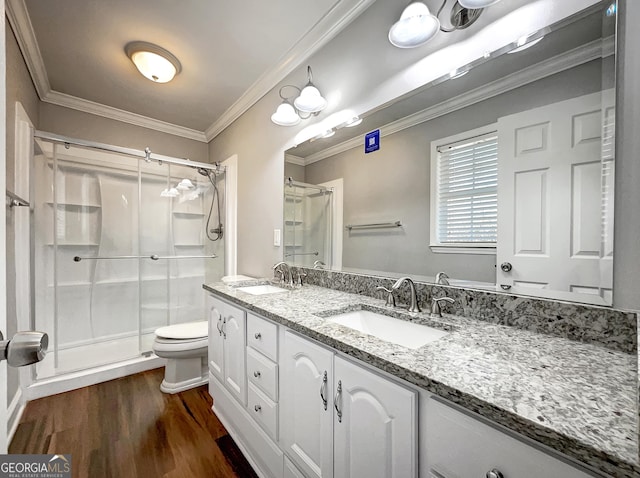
[[308, 102], [417, 25], [154, 62], [457, 73]]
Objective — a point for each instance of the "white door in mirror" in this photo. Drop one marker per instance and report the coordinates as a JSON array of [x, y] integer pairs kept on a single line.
[[552, 197]]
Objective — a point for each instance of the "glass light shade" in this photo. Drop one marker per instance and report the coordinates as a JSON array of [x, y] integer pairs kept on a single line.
[[153, 66], [310, 100], [476, 4], [416, 26], [355, 121], [155, 63], [285, 115], [170, 193], [185, 185], [522, 44]]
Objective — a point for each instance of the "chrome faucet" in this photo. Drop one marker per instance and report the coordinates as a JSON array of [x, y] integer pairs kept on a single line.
[[441, 278], [414, 307], [285, 272], [391, 300], [318, 265], [435, 305]]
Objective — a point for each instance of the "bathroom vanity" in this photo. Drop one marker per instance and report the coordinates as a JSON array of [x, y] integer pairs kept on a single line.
[[303, 395]]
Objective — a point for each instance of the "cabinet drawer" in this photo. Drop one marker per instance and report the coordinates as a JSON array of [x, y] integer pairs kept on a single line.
[[460, 446], [262, 335], [263, 373], [264, 411]]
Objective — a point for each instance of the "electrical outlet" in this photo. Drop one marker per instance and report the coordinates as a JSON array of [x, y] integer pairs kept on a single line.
[[276, 237]]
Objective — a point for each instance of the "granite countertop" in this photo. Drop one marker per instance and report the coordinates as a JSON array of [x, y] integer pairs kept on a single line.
[[577, 398]]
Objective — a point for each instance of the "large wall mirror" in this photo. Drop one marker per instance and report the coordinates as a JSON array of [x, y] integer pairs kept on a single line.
[[501, 176]]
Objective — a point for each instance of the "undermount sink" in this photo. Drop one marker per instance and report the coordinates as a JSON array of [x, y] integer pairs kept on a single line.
[[389, 329], [262, 289]]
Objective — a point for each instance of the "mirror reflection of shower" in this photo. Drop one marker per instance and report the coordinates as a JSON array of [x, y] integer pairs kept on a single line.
[[213, 234]]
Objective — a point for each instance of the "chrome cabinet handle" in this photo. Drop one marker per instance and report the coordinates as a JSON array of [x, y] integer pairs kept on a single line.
[[335, 401], [258, 335], [494, 474], [323, 389], [218, 326], [224, 323], [256, 374], [257, 408]]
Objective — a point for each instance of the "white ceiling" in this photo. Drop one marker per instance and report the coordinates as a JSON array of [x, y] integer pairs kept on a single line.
[[231, 53]]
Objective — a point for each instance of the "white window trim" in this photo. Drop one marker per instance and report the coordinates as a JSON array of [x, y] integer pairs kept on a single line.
[[453, 248]]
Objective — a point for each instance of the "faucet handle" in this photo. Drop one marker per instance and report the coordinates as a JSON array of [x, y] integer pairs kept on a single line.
[[301, 276], [391, 300], [435, 305]]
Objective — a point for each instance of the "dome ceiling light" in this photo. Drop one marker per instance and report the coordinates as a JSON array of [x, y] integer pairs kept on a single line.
[[152, 61], [417, 25]]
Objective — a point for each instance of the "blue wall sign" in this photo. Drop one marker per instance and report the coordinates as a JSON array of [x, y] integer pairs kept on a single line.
[[372, 141]]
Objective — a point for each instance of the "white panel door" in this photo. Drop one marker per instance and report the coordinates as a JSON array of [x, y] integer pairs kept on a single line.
[[306, 406], [550, 200], [235, 377], [216, 339], [374, 425]]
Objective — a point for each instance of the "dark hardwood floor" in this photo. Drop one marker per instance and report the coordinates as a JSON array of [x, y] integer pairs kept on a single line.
[[128, 428]]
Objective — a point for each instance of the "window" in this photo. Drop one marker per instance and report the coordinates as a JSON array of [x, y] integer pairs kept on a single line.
[[464, 192]]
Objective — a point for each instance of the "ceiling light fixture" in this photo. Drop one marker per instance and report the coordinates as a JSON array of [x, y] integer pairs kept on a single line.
[[154, 62], [308, 102], [417, 25]]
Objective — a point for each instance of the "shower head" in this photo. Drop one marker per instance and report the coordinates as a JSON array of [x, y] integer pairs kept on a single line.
[[204, 172]]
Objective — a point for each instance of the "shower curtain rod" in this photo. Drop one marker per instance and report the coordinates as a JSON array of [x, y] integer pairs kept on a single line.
[[292, 183], [146, 154]]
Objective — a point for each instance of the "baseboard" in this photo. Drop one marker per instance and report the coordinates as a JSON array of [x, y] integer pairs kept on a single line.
[[14, 414], [85, 378]]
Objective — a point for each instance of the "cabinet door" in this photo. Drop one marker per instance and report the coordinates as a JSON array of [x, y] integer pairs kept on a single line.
[[375, 425], [235, 377], [307, 434], [216, 339]]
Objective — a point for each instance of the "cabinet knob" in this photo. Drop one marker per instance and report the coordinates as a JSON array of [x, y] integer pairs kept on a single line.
[[256, 374], [494, 474], [258, 335], [257, 408]]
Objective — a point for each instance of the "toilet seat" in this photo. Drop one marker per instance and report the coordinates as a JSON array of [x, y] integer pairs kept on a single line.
[[186, 331]]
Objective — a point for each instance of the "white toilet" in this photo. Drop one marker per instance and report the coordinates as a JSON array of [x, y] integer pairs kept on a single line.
[[185, 348]]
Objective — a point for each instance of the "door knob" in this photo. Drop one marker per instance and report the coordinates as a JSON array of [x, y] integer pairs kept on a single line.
[[506, 267], [25, 348]]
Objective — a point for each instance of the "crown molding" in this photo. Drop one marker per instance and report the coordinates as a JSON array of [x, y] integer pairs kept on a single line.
[[98, 109], [290, 158], [343, 13], [557, 64], [20, 22]]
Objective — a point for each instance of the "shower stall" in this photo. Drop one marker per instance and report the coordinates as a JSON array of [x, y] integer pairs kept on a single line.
[[122, 246], [308, 210]]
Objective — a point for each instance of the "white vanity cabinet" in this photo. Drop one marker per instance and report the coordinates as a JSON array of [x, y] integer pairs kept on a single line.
[[460, 446], [227, 362], [343, 420]]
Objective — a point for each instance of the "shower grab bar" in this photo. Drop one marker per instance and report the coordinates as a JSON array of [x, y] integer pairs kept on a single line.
[[378, 225], [153, 257], [15, 200], [302, 254]]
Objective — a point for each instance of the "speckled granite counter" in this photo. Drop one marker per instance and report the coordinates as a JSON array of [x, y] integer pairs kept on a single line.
[[577, 398]]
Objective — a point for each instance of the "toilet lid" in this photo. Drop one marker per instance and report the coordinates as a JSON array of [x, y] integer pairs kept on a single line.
[[190, 330]]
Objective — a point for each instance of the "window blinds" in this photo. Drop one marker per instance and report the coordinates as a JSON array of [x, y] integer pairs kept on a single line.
[[467, 196]]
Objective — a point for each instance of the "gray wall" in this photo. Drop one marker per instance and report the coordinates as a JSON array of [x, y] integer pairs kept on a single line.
[[77, 124], [394, 182], [19, 88], [626, 271], [294, 171]]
